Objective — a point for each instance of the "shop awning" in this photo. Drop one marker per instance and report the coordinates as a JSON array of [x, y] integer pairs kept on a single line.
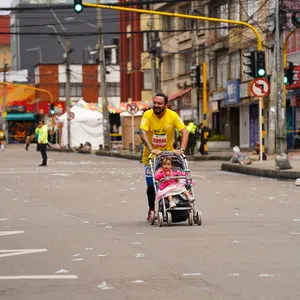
[[20, 117], [179, 94]]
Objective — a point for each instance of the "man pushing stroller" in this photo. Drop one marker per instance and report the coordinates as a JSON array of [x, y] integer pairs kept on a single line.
[[157, 132]]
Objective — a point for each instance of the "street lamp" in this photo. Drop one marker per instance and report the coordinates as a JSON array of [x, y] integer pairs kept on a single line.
[[36, 49], [59, 38]]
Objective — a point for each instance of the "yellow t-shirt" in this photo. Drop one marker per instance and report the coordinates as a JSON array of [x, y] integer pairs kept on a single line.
[[160, 132]]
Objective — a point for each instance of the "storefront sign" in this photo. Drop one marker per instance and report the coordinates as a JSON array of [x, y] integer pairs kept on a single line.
[[217, 96], [233, 92], [16, 109]]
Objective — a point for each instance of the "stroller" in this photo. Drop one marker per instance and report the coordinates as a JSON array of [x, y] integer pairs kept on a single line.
[[183, 210]]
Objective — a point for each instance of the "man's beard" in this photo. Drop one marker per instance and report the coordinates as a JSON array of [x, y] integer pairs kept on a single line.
[[158, 110]]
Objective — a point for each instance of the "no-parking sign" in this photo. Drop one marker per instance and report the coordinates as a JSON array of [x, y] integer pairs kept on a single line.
[[132, 108]]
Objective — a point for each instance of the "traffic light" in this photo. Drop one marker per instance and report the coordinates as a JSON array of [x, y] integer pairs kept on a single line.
[[260, 64], [196, 76], [52, 110], [251, 63], [78, 6], [289, 74]]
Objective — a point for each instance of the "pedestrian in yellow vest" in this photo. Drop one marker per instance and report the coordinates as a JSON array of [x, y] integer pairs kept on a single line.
[[2, 139]]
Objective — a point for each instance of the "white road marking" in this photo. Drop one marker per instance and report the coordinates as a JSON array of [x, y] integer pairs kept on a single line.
[[22, 277], [60, 174], [13, 252], [10, 232], [191, 274], [294, 233], [266, 275], [62, 271], [234, 274], [138, 281], [4, 219], [296, 220]]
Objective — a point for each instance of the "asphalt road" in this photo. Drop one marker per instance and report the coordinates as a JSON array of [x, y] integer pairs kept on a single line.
[[77, 230]]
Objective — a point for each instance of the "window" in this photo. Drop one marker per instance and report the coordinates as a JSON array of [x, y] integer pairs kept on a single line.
[[235, 11], [62, 90], [168, 23], [222, 13], [235, 65], [145, 41], [222, 71], [188, 23], [187, 58], [169, 68], [147, 80], [251, 12], [113, 89], [75, 90], [107, 55]]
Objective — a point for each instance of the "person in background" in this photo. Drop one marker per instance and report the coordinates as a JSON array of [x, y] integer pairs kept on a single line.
[[42, 131], [204, 133], [192, 130], [2, 139], [297, 139]]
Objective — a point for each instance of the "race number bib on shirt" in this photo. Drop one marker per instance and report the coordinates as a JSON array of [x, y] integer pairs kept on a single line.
[[159, 140]]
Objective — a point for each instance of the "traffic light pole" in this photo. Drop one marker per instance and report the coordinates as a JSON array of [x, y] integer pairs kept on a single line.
[[168, 14]]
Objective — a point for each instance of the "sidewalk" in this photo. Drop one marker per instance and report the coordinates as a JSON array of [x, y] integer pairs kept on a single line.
[[267, 168]]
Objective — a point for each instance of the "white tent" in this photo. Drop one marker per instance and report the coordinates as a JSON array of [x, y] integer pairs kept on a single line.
[[85, 127]]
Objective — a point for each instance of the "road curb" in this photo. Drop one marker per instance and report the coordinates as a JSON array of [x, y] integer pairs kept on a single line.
[[248, 170]]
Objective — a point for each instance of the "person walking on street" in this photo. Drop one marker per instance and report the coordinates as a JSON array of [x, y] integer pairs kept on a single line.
[[157, 133], [2, 139], [205, 133], [42, 131], [192, 130]]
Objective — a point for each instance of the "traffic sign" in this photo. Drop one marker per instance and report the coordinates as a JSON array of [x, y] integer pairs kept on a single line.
[[56, 119], [4, 114], [71, 116], [260, 87], [132, 108]]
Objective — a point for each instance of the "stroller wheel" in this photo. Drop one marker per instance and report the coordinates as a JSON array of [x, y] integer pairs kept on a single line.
[[160, 219], [198, 218], [169, 218], [190, 218]]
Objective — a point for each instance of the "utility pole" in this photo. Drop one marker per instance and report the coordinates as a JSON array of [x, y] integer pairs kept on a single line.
[[152, 51], [272, 110], [68, 80], [281, 122], [195, 102], [5, 129], [106, 129]]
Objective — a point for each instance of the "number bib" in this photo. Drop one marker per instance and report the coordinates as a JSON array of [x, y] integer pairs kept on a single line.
[[159, 140]]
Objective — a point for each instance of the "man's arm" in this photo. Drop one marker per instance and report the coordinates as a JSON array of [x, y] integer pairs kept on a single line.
[[184, 138], [144, 137]]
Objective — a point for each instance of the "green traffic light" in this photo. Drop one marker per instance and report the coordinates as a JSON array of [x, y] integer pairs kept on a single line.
[[78, 8], [261, 72], [285, 80], [52, 111]]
